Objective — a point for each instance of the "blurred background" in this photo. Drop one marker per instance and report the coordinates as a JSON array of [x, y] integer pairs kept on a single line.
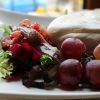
[[48, 7]]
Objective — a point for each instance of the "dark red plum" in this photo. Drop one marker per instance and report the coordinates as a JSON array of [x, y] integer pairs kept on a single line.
[[73, 48], [70, 72], [93, 72]]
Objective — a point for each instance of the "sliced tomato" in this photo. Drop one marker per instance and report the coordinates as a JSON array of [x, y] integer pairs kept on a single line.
[[26, 22], [35, 26], [44, 33], [16, 34]]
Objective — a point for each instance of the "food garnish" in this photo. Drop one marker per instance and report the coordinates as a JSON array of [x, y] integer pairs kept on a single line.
[[30, 54]]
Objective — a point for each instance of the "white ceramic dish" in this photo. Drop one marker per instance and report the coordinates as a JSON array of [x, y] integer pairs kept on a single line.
[[15, 90], [13, 18]]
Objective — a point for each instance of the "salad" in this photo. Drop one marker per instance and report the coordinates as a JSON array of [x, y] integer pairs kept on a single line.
[[27, 53]]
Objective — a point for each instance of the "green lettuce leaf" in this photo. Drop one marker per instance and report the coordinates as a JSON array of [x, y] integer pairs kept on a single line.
[[6, 66], [47, 60], [5, 30]]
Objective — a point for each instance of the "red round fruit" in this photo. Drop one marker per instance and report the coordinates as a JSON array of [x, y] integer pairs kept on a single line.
[[93, 72], [96, 52], [73, 48], [70, 72]]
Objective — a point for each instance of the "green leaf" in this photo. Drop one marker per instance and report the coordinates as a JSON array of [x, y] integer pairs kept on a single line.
[[47, 60], [6, 66], [5, 30]]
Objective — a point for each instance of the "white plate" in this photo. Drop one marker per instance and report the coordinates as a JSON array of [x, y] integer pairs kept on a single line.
[[13, 18], [18, 91]]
